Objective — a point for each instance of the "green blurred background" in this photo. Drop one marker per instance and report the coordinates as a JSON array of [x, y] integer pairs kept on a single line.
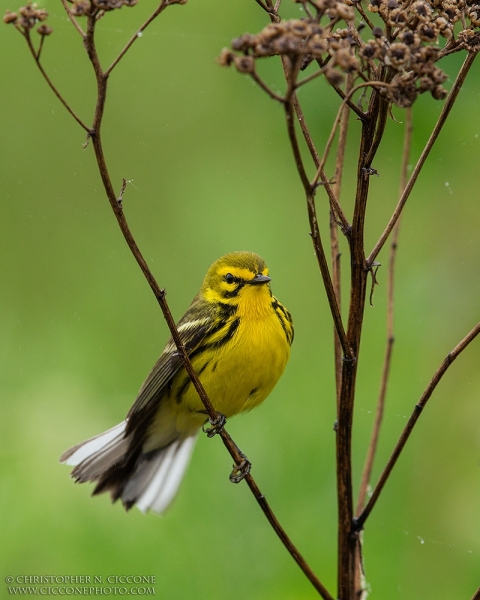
[[210, 171]]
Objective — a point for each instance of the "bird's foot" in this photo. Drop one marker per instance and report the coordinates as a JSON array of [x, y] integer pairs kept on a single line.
[[241, 470], [217, 425]]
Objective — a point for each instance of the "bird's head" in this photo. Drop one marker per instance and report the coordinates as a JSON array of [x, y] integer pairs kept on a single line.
[[236, 278]]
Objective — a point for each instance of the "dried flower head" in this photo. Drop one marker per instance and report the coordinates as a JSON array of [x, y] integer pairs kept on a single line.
[[81, 8], [470, 40], [44, 30], [473, 14], [107, 5], [10, 17]]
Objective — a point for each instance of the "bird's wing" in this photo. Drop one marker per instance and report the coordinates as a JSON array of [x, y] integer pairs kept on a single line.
[[195, 325]]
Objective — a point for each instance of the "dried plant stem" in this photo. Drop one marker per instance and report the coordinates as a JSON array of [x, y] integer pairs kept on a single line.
[[359, 7], [305, 131], [459, 348], [334, 241], [259, 81], [162, 6], [74, 21], [314, 229], [347, 535], [447, 107], [360, 114], [332, 195], [36, 58], [373, 148], [476, 595], [367, 470]]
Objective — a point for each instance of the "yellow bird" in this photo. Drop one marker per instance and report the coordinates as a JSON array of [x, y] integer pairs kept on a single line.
[[238, 337]]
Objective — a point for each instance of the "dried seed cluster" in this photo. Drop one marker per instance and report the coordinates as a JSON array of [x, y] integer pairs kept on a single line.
[[302, 41], [403, 52], [82, 8], [410, 44], [27, 17]]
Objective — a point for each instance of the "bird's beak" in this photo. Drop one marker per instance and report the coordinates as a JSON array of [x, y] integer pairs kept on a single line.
[[259, 279]]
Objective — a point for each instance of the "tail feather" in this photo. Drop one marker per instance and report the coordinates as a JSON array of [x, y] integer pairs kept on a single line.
[[149, 480], [92, 457], [156, 480]]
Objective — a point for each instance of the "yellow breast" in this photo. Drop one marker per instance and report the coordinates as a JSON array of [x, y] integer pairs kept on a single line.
[[237, 374], [243, 372]]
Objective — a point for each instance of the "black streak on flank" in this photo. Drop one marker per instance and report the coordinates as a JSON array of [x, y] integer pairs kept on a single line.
[[253, 391], [183, 387], [203, 368], [219, 343], [229, 335], [278, 308]]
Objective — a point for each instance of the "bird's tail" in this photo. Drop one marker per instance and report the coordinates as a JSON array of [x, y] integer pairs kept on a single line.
[[148, 480]]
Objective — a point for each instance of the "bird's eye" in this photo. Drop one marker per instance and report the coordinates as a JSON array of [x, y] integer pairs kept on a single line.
[[229, 278]]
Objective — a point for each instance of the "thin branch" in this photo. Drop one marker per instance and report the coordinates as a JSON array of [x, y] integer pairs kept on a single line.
[[334, 204], [74, 21], [367, 470], [459, 348], [268, 7], [306, 132], [476, 595], [162, 6], [337, 121], [314, 230], [360, 114], [348, 537], [40, 48], [51, 85], [310, 77], [452, 96], [359, 7], [297, 155], [334, 242], [255, 76]]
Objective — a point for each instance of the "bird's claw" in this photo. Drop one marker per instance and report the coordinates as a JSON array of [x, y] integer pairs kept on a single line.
[[241, 470], [217, 425]]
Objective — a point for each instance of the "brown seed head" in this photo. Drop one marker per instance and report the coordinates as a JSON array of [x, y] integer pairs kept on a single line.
[[226, 57], [244, 64], [44, 30], [80, 8], [10, 17]]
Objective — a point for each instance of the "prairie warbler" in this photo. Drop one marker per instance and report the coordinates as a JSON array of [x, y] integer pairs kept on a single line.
[[238, 337]]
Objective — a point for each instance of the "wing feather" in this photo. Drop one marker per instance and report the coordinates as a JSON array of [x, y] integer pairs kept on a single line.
[[195, 325]]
